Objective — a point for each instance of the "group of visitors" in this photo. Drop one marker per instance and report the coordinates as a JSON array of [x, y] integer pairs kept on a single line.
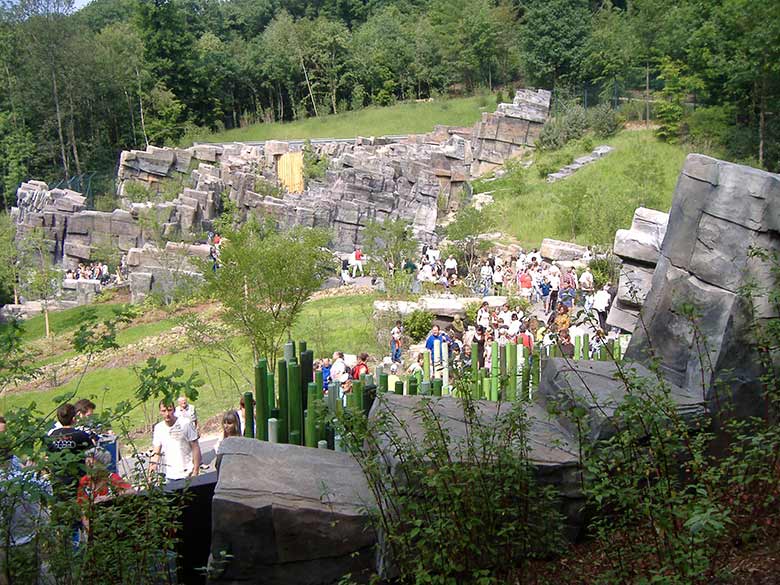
[[92, 271]]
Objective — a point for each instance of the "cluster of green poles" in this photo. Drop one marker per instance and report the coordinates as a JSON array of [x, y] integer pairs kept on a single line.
[[289, 406]]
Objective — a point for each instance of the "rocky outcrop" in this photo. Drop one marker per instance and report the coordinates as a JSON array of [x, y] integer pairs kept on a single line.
[[578, 163], [288, 515], [556, 250], [720, 212], [165, 271], [638, 249]]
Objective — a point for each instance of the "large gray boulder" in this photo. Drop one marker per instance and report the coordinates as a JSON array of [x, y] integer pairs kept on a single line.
[[720, 211], [555, 250], [552, 448], [288, 515], [600, 387]]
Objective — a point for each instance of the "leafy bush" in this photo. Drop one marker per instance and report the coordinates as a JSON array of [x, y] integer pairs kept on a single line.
[[500, 98], [553, 135], [473, 495], [576, 121], [418, 324], [314, 166], [606, 269], [358, 99], [603, 120], [710, 128]]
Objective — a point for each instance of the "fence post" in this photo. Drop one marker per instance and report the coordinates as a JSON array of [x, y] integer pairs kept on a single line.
[[295, 406], [249, 415], [261, 400], [284, 402]]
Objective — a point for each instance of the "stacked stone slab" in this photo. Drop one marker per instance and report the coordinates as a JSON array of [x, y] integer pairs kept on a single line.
[[638, 249], [155, 270], [578, 163], [719, 213], [509, 132]]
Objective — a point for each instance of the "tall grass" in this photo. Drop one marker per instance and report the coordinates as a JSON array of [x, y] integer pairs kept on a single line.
[[598, 199], [403, 118]]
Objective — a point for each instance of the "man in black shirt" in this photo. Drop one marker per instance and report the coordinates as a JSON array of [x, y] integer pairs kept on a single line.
[[66, 445]]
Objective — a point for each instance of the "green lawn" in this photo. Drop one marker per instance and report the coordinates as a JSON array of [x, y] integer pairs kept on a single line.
[[65, 321], [342, 323], [594, 202], [403, 118]]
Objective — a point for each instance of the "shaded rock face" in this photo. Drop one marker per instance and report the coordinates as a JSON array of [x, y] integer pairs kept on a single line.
[[638, 249], [720, 211], [288, 515]]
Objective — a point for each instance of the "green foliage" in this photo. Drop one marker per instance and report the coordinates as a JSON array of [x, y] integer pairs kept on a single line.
[[603, 120], [314, 166], [263, 300], [476, 492], [417, 324], [604, 270], [464, 232], [669, 107], [389, 244]]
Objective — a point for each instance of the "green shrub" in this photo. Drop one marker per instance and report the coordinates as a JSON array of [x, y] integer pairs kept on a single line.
[[605, 270], [358, 99], [314, 166], [603, 120], [553, 135], [576, 122], [710, 128], [474, 493], [500, 98], [418, 325]]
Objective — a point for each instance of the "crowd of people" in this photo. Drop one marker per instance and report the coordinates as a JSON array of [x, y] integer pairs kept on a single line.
[[92, 271]]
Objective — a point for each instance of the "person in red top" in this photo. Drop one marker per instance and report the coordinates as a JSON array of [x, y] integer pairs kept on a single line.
[[361, 367], [98, 484]]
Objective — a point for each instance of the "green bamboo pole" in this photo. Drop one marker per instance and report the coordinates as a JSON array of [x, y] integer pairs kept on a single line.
[[511, 362], [445, 362], [586, 346], [474, 370], [249, 415], [536, 370], [307, 373], [284, 402], [526, 373], [261, 404], [577, 348], [495, 370], [301, 347], [412, 386], [481, 385], [502, 371], [437, 386], [399, 387], [486, 388], [270, 392], [383, 382], [357, 392], [295, 405], [311, 418], [427, 365]]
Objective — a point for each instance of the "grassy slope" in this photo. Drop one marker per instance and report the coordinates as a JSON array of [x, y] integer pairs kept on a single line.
[[640, 171], [404, 118], [342, 323]]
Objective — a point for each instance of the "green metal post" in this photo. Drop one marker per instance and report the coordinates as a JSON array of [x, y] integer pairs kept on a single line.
[[399, 387], [295, 406], [427, 365], [289, 351], [437, 386], [475, 370], [382, 382], [511, 362], [301, 347], [495, 370], [486, 388], [577, 347], [611, 349], [536, 369], [526, 374], [412, 386], [261, 403], [586, 346], [425, 388], [311, 418], [357, 392], [249, 415], [307, 373], [284, 402], [502, 371]]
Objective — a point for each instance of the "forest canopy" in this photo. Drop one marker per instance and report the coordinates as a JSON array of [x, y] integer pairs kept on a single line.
[[78, 86]]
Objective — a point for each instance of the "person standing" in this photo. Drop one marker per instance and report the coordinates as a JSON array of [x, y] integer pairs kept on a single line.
[[186, 410], [586, 286], [358, 264], [175, 444], [65, 445], [396, 335], [601, 303]]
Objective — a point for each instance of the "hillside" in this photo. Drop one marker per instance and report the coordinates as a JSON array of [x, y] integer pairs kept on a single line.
[[598, 199], [402, 118]]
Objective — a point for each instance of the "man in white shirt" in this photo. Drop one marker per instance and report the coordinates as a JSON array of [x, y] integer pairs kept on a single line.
[[586, 286], [601, 302], [175, 444], [186, 410], [451, 266]]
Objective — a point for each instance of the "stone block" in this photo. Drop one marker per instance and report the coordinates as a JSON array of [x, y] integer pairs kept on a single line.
[[623, 317], [557, 250], [634, 284], [596, 386], [77, 250], [289, 515]]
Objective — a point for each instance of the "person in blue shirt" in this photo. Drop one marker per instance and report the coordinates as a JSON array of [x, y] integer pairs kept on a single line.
[[436, 335]]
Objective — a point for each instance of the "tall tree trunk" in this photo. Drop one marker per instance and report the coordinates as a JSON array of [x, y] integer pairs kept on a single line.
[[46, 319], [132, 116], [647, 94], [65, 165], [141, 108], [72, 137], [762, 121], [308, 83]]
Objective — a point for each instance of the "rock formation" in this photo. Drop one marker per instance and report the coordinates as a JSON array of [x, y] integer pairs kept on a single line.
[[721, 211], [638, 249]]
